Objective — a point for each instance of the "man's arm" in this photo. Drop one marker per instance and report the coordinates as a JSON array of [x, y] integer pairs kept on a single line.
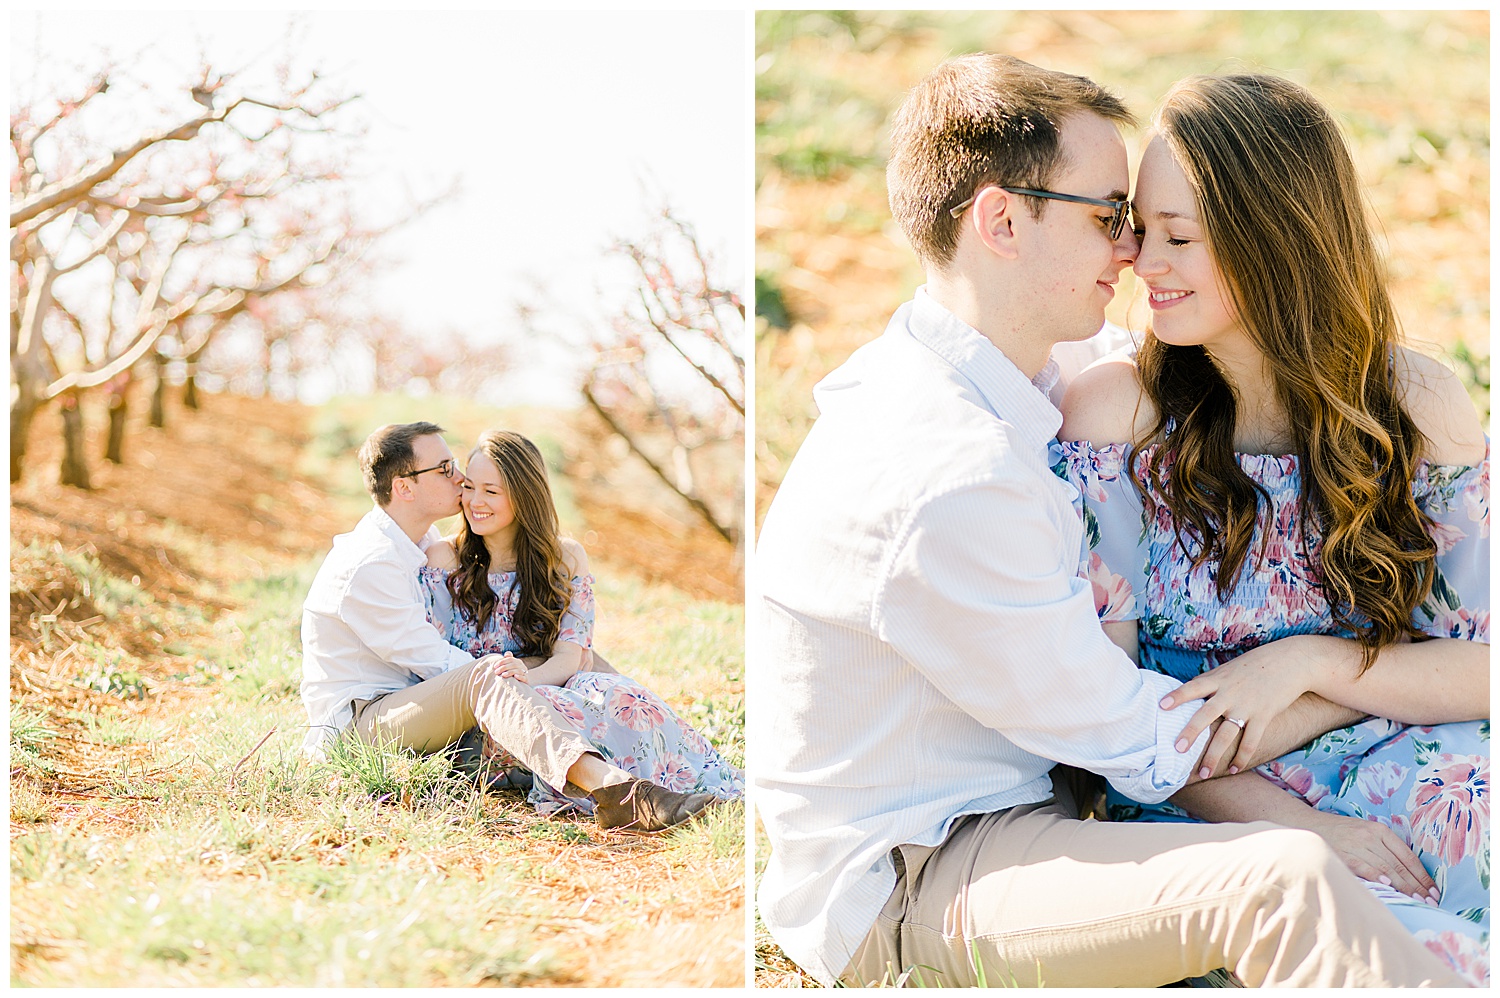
[[979, 595], [381, 608]]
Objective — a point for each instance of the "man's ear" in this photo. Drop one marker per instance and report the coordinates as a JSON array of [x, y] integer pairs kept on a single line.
[[992, 216], [401, 490]]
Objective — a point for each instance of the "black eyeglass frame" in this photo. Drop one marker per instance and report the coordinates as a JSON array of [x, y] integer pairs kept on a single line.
[[452, 469], [1116, 223]]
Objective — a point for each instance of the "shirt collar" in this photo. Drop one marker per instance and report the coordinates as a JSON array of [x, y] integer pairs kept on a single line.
[[381, 521], [1020, 401]]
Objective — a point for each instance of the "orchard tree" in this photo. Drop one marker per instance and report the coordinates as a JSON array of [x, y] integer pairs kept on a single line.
[[667, 370], [123, 247]]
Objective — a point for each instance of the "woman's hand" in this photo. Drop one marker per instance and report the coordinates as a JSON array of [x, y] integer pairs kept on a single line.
[[1248, 692], [1374, 852], [507, 666]]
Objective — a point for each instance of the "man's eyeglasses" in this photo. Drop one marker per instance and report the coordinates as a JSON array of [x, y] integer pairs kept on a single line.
[[1120, 208], [446, 468]]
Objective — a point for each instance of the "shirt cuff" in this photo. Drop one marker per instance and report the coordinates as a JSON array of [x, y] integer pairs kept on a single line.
[[1170, 769]]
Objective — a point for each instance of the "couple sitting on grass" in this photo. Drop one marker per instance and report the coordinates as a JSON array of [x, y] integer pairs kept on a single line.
[[411, 640], [1279, 515]]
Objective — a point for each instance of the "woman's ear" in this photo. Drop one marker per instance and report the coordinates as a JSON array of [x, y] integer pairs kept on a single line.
[[992, 217]]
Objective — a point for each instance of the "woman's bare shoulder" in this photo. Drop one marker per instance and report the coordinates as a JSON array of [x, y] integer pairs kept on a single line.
[[1438, 403], [441, 554], [1105, 404], [574, 557]]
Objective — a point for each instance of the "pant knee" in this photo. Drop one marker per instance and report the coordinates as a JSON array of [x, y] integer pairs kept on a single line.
[[1298, 856]]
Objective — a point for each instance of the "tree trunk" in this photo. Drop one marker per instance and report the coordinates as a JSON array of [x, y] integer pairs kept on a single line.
[[159, 394], [190, 390], [75, 468], [22, 411], [114, 449]]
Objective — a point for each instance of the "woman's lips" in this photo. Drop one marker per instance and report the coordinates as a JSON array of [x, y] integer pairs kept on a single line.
[[1166, 299]]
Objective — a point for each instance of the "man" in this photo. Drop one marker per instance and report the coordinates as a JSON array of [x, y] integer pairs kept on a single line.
[[927, 651], [374, 668]]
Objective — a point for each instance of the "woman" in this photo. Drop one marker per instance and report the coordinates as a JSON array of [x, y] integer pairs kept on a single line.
[[1282, 501], [510, 584]]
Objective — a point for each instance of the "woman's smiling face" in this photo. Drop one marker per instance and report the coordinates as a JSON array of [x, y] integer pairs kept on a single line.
[[1190, 304], [486, 499]]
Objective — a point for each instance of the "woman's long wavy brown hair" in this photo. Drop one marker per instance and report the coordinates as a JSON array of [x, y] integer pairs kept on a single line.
[[1286, 221], [542, 579]]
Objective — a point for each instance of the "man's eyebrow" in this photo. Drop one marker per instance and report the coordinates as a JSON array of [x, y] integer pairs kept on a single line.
[[1116, 195]]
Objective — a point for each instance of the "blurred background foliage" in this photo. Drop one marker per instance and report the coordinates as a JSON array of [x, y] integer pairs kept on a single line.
[[1411, 90]]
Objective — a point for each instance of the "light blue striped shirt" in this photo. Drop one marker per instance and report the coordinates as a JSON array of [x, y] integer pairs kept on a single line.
[[925, 647]]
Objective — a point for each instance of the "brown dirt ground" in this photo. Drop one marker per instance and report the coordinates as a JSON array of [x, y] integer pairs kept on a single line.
[[214, 498]]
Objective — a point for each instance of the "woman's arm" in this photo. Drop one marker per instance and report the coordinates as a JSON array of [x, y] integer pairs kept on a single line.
[[1368, 848], [560, 666], [1302, 720], [1423, 682], [568, 655]]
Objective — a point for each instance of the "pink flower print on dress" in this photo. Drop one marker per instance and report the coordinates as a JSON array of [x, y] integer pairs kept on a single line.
[[636, 708], [1234, 626], [1378, 781], [673, 772], [567, 708], [1297, 779], [1450, 807], [1445, 536], [598, 733], [694, 741], [1463, 953], [1092, 475], [1113, 599], [1471, 625]]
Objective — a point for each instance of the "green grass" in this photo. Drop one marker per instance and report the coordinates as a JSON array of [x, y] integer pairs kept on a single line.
[[208, 851]]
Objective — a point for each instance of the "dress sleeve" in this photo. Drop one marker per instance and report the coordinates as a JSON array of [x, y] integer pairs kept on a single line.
[[1115, 551], [437, 600], [578, 618], [1457, 499]]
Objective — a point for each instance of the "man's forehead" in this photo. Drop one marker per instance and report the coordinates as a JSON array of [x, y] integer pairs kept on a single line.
[[1094, 156], [432, 444]]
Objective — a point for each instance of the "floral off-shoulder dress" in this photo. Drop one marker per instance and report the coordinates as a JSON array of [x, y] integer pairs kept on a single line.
[[1428, 783], [626, 723]]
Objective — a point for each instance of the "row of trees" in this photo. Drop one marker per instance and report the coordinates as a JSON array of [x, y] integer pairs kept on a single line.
[[224, 242], [141, 252]]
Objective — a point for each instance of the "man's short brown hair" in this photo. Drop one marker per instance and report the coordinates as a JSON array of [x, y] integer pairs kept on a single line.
[[975, 121], [387, 454]]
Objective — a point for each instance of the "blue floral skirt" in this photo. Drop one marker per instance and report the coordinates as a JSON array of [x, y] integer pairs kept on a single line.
[[1428, 784], [634, 729]]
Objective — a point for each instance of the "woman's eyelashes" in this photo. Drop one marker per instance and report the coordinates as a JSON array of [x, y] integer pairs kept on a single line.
[[1140, 235]]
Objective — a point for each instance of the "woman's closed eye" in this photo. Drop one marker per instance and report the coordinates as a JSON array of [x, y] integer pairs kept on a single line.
[[1140, 235]]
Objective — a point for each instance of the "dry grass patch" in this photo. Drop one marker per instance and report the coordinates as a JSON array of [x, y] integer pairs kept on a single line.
[[166, 831]]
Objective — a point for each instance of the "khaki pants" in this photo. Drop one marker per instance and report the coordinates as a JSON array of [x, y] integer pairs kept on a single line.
[[436, 711], [1041, 898]]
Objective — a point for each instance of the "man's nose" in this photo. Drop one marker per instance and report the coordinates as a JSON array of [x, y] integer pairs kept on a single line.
[[1128, 246]]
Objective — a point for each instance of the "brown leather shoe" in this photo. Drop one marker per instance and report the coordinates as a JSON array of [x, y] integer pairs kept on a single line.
[[642, 806]]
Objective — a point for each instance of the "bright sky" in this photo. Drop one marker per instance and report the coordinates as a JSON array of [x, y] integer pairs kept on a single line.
[[556, 126]]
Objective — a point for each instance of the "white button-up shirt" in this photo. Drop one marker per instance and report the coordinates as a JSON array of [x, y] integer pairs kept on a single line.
[[925, 646], [364, 626]]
